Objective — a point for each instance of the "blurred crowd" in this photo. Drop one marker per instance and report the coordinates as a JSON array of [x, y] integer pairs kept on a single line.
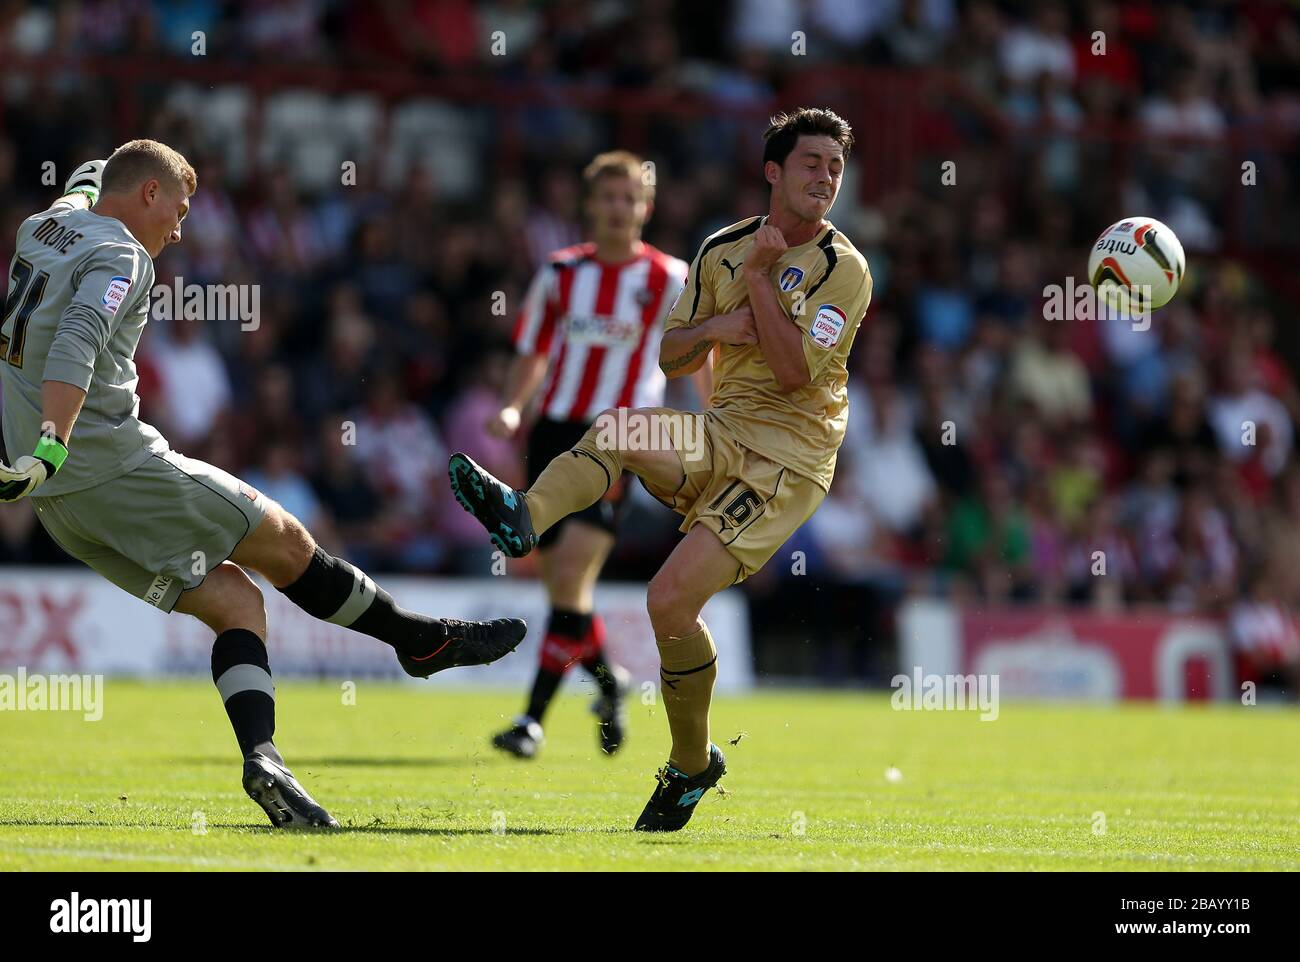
[[991, 454]]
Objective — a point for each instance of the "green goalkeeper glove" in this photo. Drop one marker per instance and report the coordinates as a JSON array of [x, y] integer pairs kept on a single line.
[[30, 472], [86, 180]]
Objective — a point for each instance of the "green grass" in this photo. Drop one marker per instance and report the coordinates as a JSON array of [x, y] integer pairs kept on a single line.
[[411, 776]]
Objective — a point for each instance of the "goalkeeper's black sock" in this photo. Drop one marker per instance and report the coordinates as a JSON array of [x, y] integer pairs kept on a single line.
[[243, 677], [333, 590]]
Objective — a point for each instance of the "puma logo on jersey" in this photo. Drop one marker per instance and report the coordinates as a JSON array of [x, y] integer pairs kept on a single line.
[[727, 264]]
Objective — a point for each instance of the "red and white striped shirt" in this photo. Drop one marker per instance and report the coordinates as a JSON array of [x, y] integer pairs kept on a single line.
[[600, 325]]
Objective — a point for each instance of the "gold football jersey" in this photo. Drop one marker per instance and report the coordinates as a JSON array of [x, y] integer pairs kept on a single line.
[[824, 287]]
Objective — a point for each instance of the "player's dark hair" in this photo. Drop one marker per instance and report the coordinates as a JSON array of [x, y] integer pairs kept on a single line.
[[787, 128]]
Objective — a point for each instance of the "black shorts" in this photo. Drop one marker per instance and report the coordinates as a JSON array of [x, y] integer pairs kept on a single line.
[[547, 440]]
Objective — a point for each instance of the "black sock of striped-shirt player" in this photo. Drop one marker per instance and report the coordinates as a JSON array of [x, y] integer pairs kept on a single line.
[[572, 626], [336, 591], [598, 666], [242, 675]]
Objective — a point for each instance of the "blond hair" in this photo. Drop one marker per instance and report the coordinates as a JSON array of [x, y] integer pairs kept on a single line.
[[139, 160], [619, 163]]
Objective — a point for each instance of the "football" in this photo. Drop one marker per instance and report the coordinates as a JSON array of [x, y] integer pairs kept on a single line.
[[1136, 264]]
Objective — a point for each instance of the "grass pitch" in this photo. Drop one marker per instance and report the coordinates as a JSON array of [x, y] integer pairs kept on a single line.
[[411, 776]]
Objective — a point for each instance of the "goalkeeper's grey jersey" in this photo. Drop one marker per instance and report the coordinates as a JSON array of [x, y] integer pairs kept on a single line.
[[78, 302]]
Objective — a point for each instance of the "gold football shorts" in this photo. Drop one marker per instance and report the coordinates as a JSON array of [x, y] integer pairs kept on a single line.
[[749, 501]]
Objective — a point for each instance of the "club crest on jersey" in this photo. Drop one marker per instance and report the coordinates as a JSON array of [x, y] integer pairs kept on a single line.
[[828, 325], [644, 296], [115, 293], [791, 278]]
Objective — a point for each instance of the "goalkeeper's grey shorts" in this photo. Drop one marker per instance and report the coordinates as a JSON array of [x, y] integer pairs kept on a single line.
[[157, 530]]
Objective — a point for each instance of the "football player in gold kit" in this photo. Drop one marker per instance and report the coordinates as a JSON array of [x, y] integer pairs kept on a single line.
[[776, 301]]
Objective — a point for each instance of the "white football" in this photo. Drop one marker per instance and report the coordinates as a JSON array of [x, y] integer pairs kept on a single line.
[[1136, 264]]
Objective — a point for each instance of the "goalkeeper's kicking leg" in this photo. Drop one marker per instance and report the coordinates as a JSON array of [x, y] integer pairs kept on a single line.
[[333, 590]]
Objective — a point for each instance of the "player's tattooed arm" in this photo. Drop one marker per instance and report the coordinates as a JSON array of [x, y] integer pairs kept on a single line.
[[673, 366], [683, 351]]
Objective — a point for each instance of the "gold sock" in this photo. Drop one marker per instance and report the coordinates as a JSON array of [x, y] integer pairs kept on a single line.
[[689, 668], [574, 480]]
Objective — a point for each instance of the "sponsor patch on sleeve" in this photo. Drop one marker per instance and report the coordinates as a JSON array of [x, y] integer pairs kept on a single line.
[[115, 293], [828, 325]]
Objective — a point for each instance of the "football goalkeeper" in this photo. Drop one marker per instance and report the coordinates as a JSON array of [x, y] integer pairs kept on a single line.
[[173, 531]]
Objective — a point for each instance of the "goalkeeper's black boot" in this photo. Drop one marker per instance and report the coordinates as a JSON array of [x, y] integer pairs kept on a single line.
[[523, 739], [285, 802], [466, 643], [498, 507], [677, 794]]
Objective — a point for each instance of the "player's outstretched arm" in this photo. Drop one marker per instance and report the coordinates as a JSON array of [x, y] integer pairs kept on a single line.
[[779, 338], [685, 349]]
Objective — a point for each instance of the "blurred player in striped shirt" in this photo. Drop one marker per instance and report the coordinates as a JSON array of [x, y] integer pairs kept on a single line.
[[587, 340]]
